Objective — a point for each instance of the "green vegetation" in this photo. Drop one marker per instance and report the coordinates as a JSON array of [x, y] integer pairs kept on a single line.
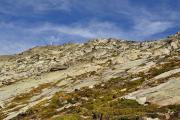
[[102, 101], [163, 68], [1, 115], [22, 98], [169, 64], [25, 96], [68, 117]]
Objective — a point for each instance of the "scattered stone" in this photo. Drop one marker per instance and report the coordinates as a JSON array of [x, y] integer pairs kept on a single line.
[[123, 90], [147, 118]]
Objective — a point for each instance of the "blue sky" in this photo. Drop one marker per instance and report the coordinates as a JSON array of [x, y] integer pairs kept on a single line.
[[28, 23]]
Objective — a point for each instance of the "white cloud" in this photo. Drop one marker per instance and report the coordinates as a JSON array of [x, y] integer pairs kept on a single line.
[[91, 29], [148, 28], [44, 5], [151, 21], [33, 7], [11, 47]]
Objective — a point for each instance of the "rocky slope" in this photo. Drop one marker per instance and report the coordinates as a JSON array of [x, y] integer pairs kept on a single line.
[[101, 79]]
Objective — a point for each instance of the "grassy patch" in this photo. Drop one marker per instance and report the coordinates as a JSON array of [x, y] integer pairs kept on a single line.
[[2, 115], [25, 96], [68, 117]]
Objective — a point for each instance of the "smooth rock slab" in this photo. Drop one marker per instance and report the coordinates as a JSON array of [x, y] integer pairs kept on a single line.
[[165, 94]]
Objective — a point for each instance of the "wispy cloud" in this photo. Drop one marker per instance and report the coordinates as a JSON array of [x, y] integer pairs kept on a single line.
[[91, 29], [12, 47], [33, 7], [147, 28], [45, 5]]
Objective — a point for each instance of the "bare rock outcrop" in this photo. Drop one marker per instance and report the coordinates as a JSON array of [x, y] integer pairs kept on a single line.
[[38, 74]]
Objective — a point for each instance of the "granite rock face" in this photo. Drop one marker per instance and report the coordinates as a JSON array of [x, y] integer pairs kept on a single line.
[[34, 76]]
